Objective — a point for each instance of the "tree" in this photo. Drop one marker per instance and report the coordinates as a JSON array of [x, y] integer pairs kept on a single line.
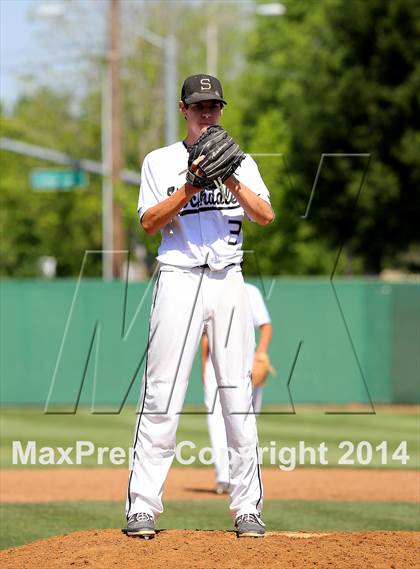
[[34, 224], [67, 117], [344, 76]]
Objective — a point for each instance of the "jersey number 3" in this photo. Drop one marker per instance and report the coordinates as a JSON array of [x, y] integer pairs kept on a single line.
[[234, 232]]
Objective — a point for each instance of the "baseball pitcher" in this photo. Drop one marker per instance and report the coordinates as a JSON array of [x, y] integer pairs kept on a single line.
[[197, 193]]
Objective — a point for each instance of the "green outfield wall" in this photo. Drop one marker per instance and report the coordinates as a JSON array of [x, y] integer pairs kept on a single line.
[[72, 343]]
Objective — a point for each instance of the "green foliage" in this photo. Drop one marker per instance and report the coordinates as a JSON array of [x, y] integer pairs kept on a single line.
[[34, 224], [65, 225], [326, 77], [346, 78]]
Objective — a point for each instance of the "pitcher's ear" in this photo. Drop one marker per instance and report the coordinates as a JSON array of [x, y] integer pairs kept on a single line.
[[182, 107]]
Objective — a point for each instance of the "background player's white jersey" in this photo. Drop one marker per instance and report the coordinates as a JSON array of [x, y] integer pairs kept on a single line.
[[209, 228], [259, 310]]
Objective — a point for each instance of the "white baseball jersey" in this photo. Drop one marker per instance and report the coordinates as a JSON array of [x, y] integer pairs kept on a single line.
[[259, 310], [209, 228]]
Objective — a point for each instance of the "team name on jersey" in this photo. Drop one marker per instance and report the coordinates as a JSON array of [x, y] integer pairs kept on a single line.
[[207, 200]]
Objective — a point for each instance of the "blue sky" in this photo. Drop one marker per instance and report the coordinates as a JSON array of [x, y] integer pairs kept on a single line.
[[18, 44], [34, 52]]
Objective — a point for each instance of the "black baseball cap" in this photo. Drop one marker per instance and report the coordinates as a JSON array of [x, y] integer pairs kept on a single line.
[[202, 87]]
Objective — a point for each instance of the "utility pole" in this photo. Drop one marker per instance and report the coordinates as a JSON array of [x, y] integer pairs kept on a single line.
[[114, 142], [169, 46], [171, 85], [212, 33]]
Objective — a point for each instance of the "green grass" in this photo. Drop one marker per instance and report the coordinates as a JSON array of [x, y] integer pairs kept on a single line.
[[23, 523], [311, 425]]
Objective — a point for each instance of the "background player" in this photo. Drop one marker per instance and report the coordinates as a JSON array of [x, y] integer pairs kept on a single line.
[[199, 288], [216, 425]]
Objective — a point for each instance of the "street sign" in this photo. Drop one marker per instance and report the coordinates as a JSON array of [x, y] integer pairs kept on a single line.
[[52, 179]]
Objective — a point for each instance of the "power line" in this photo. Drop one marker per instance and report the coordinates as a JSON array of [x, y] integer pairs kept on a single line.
[[53, 61], [51, 155]]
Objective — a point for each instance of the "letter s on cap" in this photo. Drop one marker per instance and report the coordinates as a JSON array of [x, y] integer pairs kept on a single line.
[[205, 84]]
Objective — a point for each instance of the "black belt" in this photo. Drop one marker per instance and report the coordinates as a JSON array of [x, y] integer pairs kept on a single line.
[[207, 267]]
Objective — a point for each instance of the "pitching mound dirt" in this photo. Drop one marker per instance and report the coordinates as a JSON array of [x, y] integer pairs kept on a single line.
[[218, 549]]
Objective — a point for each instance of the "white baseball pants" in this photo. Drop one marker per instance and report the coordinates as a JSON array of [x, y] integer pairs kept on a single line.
[[185, 302]]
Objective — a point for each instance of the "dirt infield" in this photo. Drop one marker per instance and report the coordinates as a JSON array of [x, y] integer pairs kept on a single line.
[[49, 485], [210, 549], [187, 549]]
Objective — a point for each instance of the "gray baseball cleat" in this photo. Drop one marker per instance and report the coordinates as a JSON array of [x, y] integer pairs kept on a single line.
[[222, 488], [141, 525], [249, 525]]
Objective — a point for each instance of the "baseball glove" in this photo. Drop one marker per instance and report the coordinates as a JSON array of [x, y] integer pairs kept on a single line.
[[222, 158], [261, 368]]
